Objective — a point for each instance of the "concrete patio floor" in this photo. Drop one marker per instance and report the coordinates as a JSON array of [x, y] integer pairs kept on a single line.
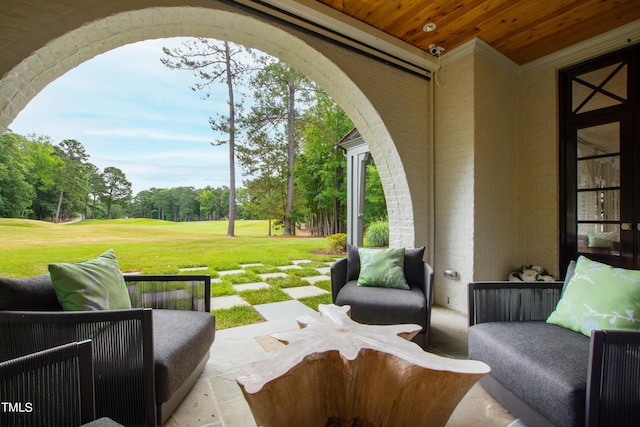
[[216, 400]]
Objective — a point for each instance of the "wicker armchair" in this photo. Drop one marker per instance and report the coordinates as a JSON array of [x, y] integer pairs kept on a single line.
[[611, 390], [134, 351], [49, 387], [384, 306]]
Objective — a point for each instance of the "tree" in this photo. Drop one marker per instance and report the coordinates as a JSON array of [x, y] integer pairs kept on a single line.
[[185, 203], [42, 175], [267, 197], [97, 188], [213, 62], [72, 176], [244, 210], [162, 200], [208, 203], [16, 193], [117, 188], [280, 94], [266, 162], [375, 202], [142, 205], [321, 170]]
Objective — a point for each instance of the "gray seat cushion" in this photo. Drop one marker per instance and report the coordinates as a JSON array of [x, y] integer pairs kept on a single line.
[[180, 340], [383, 306], [542, 364], [28, 294]]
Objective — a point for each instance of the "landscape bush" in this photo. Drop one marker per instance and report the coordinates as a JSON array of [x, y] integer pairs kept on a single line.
[[377, 234], [338, 242]]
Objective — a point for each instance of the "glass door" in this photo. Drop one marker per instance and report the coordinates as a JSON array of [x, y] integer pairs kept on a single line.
[[602, 193], [598, 162]]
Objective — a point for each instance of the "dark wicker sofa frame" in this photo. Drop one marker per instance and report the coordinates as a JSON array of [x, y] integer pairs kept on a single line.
[[613, 379], [123, 351], [67, 398]]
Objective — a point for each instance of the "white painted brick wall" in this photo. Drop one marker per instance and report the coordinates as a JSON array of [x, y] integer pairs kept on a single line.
[[454, 181], [496, 169]]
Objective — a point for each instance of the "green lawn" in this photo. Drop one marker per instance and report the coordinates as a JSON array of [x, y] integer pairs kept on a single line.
[[147, 246], [157, 247]]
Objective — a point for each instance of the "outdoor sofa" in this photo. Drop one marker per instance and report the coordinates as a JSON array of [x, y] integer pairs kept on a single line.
[[546, 374], [146, 359]]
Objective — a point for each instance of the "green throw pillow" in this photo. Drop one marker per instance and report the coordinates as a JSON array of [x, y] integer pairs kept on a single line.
[[599, 296], [382, 268], [97, 284]]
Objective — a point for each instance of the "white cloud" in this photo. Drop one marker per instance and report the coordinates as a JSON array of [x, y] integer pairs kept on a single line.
[[148, 134]]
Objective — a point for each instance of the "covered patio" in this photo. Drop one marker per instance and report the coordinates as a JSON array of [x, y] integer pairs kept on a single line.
[[466, 140]]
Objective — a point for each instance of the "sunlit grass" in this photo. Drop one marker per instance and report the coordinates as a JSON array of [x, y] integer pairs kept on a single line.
[[323, 284], [236, 316], [313, 302], [303, 272], [286, 282], [147, 246], [264, 296]]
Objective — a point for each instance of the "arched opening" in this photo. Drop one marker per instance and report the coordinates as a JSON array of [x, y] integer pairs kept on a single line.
[[339, 71]]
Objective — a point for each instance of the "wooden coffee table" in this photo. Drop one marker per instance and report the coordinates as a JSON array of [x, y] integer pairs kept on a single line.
[[335, 371]]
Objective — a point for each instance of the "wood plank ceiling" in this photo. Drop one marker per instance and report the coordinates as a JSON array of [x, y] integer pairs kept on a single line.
[[523, 30]]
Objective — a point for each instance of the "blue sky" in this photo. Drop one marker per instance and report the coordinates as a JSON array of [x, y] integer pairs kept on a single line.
[[130, 111]]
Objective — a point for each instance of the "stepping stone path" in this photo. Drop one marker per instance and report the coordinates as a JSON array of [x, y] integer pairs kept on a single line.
[[251, 286], [295, 292]]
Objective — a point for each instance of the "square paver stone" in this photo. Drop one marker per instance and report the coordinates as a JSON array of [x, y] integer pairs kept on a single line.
[[227, 302], [284, 310], [289, 267], [315, 279], [255, 264], [304, 291], [226, 272], [251, 286], [300, 261], [194, 268], [323, 270]]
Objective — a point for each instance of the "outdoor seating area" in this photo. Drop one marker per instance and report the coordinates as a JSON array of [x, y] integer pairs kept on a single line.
[[561, 353], [191, 388], [317, 205], [145, 360], [151, 365]]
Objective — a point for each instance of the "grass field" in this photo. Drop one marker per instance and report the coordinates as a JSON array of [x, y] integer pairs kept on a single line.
[[147, 246], [162, 247]]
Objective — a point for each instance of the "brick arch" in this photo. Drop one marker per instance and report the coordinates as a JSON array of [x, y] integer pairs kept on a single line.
[[337, 70]]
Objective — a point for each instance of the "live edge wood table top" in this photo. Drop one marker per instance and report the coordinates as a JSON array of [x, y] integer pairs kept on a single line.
[[337, 372]]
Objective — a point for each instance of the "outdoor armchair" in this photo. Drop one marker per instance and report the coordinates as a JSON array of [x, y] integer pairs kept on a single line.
[[545, 374], [49, 387], [385, 306], [146, 358]]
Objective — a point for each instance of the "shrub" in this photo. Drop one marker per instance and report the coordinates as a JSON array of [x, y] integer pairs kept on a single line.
[[378, 234], [338, 242]]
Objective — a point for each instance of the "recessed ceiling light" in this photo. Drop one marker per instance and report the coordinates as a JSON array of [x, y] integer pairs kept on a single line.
[[429, 27]]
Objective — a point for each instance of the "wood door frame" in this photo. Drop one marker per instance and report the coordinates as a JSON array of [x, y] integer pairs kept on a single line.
[[569, 122]]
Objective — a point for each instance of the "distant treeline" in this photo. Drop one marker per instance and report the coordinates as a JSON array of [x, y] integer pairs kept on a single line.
[[55, 182]]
